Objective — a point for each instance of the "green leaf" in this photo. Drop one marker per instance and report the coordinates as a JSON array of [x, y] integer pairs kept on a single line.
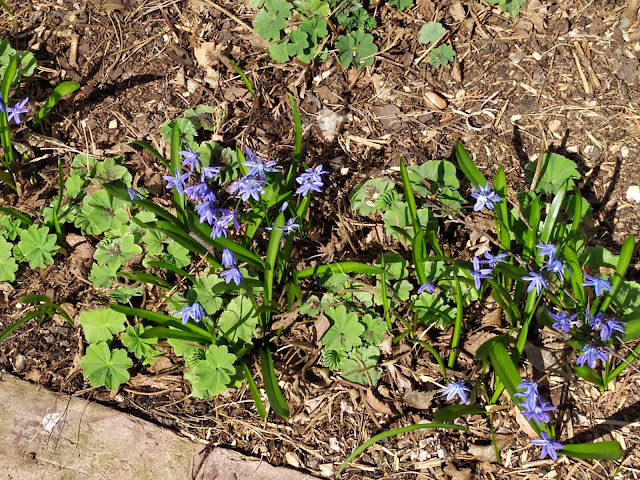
[[37, 246], [556, 170], [207, 290], [142, 348], [357, 49], [375, 328], [239, 320], [589, 374], [105, 367], [390, 433], [626, 252], [443, 55], [595, 451], [255, 393], [125, 293], [357, 367], [213, 374], [272, 19], [61, 91], [106, 212], [116, 251], [102, 275], [312, 8], [363, 197], [451, 412], [401, 4], [8, 265], [467, 166], [399, 216], [345, 331], [340, 267], [278, 51], [271, 387], [101, 324], [298, 42], [431, 176], [431, 32], [177, 255]]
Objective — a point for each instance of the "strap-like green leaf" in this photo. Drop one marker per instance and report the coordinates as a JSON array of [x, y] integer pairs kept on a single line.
[[589, 374], [595, 451], [626, 252], [340, 267], [467, 166], [254, 391], [297, 148], [271, 387], [552, 214], [450, 413], [61, 91], [503, 219], [174, 269], [154, 152]]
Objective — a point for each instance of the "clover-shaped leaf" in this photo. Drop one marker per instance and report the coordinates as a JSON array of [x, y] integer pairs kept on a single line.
[[177, 255], [443, 55], [102, 275], [101, 324], [297, 43], [345, 331], [8, 265], [213, 374], [37, 246], [239, 320], [143, 348], [272, 19], [400, 4], [106, 367], [357, 49], [105, 212], [357, 367], [431, 32], [9, 227], [431, 176]]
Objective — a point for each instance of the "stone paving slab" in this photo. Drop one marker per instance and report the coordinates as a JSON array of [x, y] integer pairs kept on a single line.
[[56, 437]]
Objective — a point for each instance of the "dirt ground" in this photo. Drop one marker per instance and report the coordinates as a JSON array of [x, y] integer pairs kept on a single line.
[[562, 77]]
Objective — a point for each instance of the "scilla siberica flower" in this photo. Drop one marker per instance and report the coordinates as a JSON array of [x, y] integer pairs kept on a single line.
[[257, 165], [547, 250], [485, 197], [133, 193], [194, 311], [456, 389], [493, 260], [191, 158], [564, 321], [591, 355], [598, 284], [209, 172], [248, 187], [610, 326], [228, 258], [548, 445], [178, 181], [479, 273], [530, 393], [200, 191], [17, 110], [534, 407], [288, 228], [537, 281], [311, 180], [556, 266], [427, 287]]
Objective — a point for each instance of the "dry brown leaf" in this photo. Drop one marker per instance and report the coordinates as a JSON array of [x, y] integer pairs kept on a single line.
[[112, 5], [380, 406], [285, 320], [321, 325], [421, 400], [493, 318], [292, 459], [475, 340], [161, 363], [524, 425], [34, 375], [457, 12], [455, 474], [485, 453], [388, 116]]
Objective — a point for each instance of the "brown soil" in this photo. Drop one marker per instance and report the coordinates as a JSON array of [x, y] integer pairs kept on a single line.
[[562, 77]]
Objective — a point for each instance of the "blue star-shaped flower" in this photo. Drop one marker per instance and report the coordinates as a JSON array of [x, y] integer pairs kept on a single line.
[[427, 287], [538, 411], [177, 181], [598, 284], [537, 281], [563, 321], [591, 355], [485, 197], [548, 445], [191, 158], [610, 326], [547, 250], [311, 180], [478, 274], [234, 274], [456, 389], [493, 260], [194, 311], [17, 110], [228, 258]]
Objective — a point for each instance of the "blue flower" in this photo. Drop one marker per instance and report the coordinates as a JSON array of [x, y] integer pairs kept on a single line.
[[485, 197], [311, 180], [591, 355], [548, 445], [547, 250], [563, 321], [257, 165], [283, 207], [220, 225], [610, 326], [207, 212], [178, 181], [133, 193], [428, 287], [556, 266], [247, 187], [191, 158], [17, 110], [493, 260], [194, 311], [456, 389], [530, 394], [537, 411], [479, 273], [289, 226], [209, 172], [599, 284], [537, 281], [234, 274], [200, 191], [228, 259]]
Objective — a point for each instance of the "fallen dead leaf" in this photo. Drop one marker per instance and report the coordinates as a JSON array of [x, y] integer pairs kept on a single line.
[[285, 320], [475, 340], [486, 453], [34, 375], [161, 363], [455, 474], [292, 459], [379, 405], [421, 400], [321, 325], [457, 12], [524, 425]]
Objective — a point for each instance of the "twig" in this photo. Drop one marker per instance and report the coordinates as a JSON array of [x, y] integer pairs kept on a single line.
[[228, 14], [630, 13]]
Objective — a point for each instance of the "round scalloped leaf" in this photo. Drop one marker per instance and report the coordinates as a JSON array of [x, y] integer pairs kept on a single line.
[[106, 367]]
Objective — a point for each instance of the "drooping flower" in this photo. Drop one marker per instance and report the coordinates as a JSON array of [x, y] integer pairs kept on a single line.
[[209, 172], [228, 258], [133, 193], [485, 197], [548, 445], [456, 389], [200, 191], [427, 287], [191, 158], [493, 260], [478, 274], [591, 355], [13, 113], [248, 187], [257, 165], [537, 281], [547, 250], [207, 212], [598, 284], [563, 321], [283, 207], [311, 180], [530, 394], [556, 266], [611, 325], [177, 181], [537, 411], [194, 311], [234, 274]]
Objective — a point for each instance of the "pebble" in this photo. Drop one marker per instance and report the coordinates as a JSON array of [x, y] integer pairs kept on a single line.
[[633, 193]]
